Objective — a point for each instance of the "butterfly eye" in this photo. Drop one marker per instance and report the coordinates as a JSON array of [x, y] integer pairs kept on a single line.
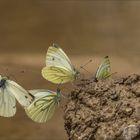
[[2, 82], [77, 75], [55, 45]]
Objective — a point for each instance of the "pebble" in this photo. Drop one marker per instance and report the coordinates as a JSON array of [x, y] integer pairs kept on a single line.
[[131, 132]]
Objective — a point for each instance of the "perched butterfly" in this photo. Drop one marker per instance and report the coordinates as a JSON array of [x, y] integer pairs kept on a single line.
[[43, 107], [9, 92], [58, 66], [103, 70]]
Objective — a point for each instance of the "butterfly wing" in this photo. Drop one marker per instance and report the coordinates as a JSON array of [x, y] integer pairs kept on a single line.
[[7, 103], [59, 68], [43, 107], [57, 57], [57, 75], [22, 96], [103, 71]]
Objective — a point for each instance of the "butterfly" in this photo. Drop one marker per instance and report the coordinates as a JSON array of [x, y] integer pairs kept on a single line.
[[9, 92], [58, 66], [103, 70], [42, 108]]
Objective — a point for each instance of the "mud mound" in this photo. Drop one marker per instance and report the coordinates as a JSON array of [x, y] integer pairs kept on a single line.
[[104, 110]]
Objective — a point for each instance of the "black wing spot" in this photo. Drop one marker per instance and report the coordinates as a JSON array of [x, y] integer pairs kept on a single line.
[[53, 58], [14, 106], [26, 97]]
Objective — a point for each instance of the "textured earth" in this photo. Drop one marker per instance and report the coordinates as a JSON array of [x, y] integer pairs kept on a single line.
[[104, 110]]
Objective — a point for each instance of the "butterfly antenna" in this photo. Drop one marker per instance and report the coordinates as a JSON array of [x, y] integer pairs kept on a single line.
[[86, 70], [65, 88], [63, 96], [82, 67], [111, 74], [59, 84], [86, 63]]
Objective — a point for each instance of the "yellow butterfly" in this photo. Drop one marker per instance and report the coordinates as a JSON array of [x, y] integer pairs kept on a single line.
[[58, 66], [42, 108], [103, 70]]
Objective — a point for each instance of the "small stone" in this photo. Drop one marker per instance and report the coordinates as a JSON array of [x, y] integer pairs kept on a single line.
[[138, 112], [137, 94], [131, 79], [131, 132], [119, 81], [103, 101], [114, 96], [128, 111], [136, 91]]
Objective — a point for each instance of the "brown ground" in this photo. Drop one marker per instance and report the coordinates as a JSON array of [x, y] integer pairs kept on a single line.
[[104, 110]]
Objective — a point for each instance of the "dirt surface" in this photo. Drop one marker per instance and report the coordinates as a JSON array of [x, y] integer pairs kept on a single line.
[[104, 110]]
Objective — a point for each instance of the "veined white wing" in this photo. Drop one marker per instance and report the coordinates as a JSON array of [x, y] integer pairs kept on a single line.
[[103, 71], [57, 57], [22, 96], [9, 92], [39, 93], [58, 66], [7, 103], [43, 107]]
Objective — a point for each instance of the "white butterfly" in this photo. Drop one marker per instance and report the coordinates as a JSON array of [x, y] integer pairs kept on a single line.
[[9, 92], [59, 68], [104, 70], [42, 108]]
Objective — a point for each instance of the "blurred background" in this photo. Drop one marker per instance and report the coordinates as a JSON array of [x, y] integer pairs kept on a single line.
[[85, 30]]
